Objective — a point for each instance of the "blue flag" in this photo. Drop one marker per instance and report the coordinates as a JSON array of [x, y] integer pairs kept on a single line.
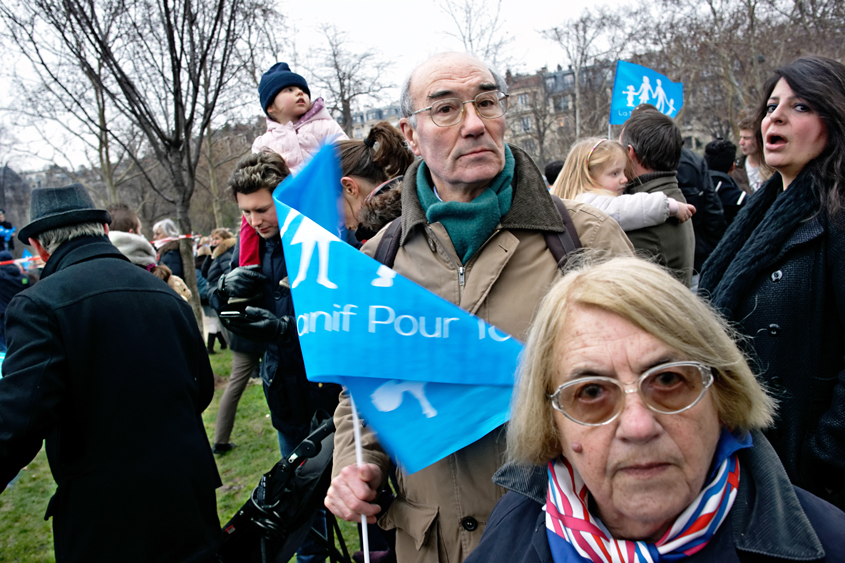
[[315, 190], [427, 376], [635, 85]]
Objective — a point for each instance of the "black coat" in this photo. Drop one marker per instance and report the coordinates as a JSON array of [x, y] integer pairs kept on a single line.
[[793, 309], [107, 364], [731, 196], [709, 221], [169, 256], [291, 397]]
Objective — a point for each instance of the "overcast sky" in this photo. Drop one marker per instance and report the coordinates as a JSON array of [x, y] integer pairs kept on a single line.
[[401, 31], [407, 32]]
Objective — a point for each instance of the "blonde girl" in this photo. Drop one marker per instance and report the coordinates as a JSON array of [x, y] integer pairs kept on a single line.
[[597, 171]]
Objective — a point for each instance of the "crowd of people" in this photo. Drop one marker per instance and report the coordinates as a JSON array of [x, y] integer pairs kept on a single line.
[[681, 394]]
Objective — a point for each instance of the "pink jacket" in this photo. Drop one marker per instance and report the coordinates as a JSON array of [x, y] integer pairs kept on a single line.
[[298, 142]]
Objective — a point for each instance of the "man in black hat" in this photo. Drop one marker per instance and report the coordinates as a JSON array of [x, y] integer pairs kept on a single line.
[[107, 364]]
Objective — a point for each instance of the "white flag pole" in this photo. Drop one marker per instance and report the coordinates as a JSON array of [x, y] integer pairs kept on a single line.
[[359, 458]]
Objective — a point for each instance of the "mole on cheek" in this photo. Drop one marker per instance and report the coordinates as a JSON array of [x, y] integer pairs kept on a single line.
[[577, 448]]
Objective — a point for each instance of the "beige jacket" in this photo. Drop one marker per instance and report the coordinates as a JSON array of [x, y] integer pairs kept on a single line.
[[441, 511]]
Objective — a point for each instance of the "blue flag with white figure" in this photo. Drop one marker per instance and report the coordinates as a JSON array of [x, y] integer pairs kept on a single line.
[[427, 377], [635, 85]]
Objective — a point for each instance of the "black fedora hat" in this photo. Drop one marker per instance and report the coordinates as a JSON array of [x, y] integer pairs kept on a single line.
[[51, 208]]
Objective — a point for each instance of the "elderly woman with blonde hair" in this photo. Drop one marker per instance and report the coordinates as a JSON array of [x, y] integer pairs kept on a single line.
[[635, 436]]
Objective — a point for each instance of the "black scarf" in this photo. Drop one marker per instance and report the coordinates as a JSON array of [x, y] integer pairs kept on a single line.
[[755, 238]]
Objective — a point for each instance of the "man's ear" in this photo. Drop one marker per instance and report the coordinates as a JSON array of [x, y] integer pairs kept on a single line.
[[632, 155], [106, 228], [349, 186], [43, 254], [410, 135]]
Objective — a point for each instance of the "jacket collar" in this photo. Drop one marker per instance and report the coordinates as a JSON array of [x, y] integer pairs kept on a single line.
[[532, 207], [650, 181], [223, 247], [726, 178], [80, 250], [766, 517], [318, 111]]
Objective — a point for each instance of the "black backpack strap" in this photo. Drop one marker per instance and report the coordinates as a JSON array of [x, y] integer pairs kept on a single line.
[[388, 246], [561, 244]]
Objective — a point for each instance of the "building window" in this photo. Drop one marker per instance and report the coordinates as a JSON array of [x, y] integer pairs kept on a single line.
[[525, 124], [529, 146], [523, 99]]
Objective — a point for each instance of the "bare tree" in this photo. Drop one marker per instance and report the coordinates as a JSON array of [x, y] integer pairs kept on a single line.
[[163, 66], [592, 37], [348, 75], [480, 29]]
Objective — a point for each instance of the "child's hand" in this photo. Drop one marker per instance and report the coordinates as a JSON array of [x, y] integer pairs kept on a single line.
[[685, 211]]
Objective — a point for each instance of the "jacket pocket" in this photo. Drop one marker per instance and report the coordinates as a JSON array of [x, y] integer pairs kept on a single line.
[[414, 520]]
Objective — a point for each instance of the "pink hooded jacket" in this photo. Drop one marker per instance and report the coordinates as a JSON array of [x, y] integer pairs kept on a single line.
[[298, 142]]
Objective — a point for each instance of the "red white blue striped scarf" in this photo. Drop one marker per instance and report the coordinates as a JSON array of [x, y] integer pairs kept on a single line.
[[576, 535]]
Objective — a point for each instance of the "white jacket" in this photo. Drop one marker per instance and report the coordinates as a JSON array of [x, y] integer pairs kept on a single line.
[[298, 142], [631, 211]]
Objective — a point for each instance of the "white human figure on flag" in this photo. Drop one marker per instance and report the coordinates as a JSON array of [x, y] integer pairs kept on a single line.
[[644, 91], [385, 277], [310, 234], [630, 93], [662, 101], [388, 397]]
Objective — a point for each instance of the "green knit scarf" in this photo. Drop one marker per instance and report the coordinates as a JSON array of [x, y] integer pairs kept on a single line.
[[469, 224]]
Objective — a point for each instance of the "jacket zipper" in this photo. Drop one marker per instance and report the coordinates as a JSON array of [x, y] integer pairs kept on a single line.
[[461, 268]]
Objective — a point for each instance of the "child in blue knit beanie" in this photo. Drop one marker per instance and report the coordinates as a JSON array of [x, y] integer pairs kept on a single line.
[[296, 128]]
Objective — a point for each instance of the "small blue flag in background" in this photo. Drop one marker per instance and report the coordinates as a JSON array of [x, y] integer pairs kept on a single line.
[[635, 85], [427, 376]]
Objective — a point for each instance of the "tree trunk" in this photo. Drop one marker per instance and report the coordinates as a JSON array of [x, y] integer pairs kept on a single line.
[[186, 251], [212, 177], [347, 117]]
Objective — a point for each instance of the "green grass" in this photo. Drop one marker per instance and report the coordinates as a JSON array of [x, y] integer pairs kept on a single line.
[[26, 538]]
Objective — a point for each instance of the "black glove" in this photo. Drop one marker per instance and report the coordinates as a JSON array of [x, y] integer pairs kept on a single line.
[[260, 325], [242, 283]]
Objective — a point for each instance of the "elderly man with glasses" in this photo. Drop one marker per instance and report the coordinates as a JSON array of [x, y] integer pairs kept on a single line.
[[474, 214]]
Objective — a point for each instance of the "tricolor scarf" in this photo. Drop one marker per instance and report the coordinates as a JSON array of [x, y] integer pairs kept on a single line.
[[576, 535]]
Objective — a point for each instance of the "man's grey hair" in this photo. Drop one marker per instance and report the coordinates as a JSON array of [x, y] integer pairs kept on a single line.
[[406, 103], [54, 238]]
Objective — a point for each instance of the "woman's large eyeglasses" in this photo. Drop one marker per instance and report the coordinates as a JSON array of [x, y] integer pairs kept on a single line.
[[450, 111], [667, 389]]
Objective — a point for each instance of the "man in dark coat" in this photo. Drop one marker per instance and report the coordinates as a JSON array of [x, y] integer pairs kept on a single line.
[[654, 142], [719, 155], [708, 223], [267, 305], [106, 363]]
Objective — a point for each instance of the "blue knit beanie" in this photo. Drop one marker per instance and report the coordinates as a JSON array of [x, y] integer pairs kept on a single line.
[[274, 80]]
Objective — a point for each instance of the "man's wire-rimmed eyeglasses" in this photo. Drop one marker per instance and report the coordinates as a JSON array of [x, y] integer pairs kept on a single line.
[[450, 111]]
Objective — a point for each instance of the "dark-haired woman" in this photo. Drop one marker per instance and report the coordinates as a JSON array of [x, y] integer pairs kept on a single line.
[[366, 165], [779, 272]]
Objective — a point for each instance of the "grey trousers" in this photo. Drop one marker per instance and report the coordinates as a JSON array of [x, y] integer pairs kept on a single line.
[[243, 366]]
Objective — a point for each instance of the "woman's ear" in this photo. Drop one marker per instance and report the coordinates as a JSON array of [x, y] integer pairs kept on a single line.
[[349, 186]]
